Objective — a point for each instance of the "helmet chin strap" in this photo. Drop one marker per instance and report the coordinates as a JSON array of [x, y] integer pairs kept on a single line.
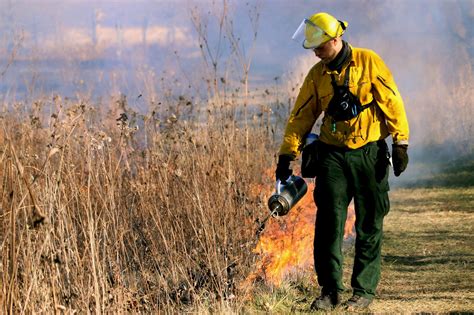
[[343, 26]]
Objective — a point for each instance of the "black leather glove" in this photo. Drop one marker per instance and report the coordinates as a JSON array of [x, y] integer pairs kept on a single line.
[[283, 170], [399, 158]]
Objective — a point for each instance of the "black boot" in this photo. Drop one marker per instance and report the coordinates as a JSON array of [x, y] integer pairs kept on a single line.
[[327, 301], [357, 302]]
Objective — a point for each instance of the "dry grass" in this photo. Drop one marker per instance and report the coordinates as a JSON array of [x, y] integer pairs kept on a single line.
[[428, 256], [152, 218], [104, 209]]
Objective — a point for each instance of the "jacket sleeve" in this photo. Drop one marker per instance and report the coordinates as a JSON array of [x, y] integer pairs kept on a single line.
[[301, 120], [389, 100]]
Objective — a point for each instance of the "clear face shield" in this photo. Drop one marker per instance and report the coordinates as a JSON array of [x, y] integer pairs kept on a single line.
[[310, 35]]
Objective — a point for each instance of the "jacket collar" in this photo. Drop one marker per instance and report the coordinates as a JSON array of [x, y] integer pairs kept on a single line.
[[351, 63], [325, 68]]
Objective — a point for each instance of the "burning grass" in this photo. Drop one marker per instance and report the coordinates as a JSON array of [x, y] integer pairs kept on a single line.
[[285, 247]]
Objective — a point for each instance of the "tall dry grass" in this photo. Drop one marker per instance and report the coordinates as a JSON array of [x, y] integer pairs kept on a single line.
[[104, 209]]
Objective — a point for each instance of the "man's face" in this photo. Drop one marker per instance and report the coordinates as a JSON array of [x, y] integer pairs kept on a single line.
[[327, 51]]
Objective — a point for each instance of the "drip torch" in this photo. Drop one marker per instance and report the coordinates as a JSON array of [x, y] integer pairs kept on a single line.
[[286, 196]]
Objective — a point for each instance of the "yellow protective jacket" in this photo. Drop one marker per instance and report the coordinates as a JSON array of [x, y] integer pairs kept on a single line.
[[369, 78]]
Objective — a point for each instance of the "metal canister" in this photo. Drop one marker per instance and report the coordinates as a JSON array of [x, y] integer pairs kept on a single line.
[[287, 195]]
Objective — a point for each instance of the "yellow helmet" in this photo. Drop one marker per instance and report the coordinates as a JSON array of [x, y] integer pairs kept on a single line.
[[318, 29]]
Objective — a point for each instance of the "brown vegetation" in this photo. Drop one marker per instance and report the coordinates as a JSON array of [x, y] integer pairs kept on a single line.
[[104, 209]]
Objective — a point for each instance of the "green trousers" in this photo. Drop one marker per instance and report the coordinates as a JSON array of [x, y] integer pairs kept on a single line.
[[343, 175]]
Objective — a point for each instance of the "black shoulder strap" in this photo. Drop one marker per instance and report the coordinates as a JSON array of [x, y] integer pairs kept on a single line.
[[346, 78], [333, 81], [374, 102]]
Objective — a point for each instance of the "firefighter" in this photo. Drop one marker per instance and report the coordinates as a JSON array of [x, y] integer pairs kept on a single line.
[[362, 106]]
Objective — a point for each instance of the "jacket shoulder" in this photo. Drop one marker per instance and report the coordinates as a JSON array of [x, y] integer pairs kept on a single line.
[[317, 68], [365, 54]]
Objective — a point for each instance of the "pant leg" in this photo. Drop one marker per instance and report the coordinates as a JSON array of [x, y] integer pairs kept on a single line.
[[332, 198], [369, 169]]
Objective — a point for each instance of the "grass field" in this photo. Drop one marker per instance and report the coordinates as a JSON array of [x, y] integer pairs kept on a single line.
[[107, 210], [428, 258], [429, 252], [149, 202]]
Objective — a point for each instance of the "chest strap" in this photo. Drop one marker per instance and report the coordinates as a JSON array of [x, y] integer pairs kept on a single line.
[[346, 85]]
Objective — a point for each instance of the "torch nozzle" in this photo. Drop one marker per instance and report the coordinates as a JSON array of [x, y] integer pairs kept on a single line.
[[261, 227], [277, 209]]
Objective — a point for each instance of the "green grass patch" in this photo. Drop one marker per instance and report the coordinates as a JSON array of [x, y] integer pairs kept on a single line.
[[441, 172]]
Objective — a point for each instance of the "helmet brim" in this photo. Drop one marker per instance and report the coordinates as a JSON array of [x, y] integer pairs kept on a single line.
[[310, 35]]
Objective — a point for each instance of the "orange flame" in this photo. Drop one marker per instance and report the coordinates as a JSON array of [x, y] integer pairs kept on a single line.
[[286, 245]]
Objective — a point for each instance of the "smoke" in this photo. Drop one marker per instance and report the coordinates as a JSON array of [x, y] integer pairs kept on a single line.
[[89, 48], [431, 65]]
